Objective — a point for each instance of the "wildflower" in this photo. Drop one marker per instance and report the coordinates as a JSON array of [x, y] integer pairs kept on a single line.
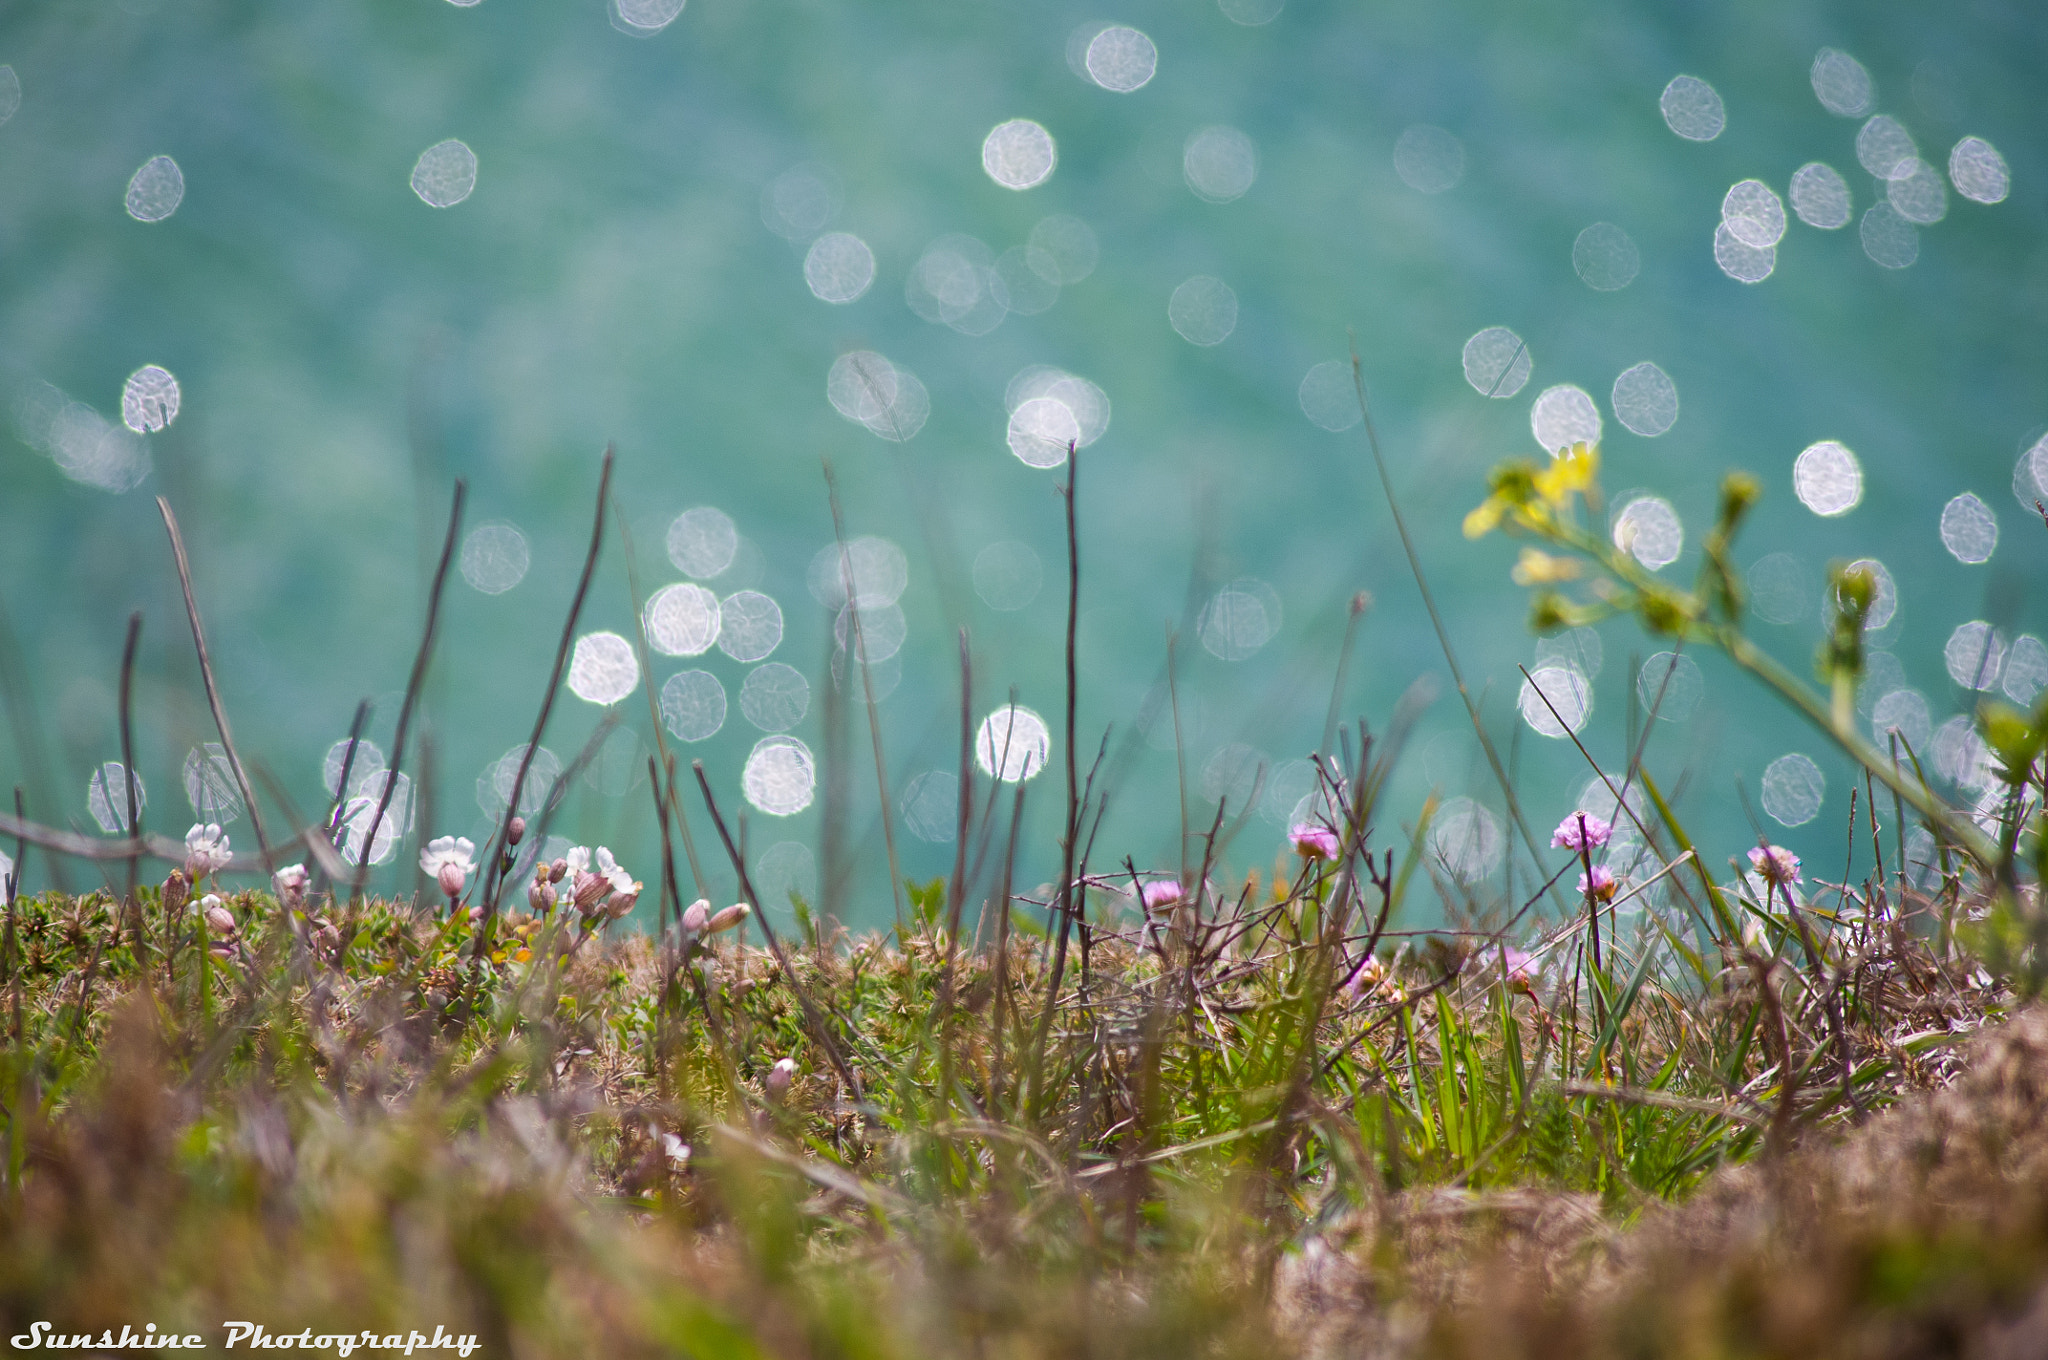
[[622, 902], [728, 918], [175, 892], [676, 1150], [1314, 842], [206, 850], [1581, 831], [1777, 865], [1532, 497], [540, 894], [1519, 969], [219, 919], [449, 861], [1374, 979], [1160, 893], [558, 871], [697, 916], [1600, 885], [290, 883], [779, 1077], [515, 831], [1537, 568]]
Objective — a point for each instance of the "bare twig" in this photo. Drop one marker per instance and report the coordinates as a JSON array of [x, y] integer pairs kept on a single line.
[[412, 690], [220, 717], [134, 825], [858, 648], [494, 874]]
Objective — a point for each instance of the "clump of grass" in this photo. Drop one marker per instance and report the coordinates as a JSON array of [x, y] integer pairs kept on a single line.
[[1158, 1114]]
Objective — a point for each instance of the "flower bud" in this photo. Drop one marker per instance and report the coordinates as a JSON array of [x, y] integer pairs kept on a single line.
[[515, 831], [219, 919], [728, 918], [540, 894], [591, 889], [697, 916], [176, 890], [558, 871], [621, 903], [779, 1077], [452, 877]]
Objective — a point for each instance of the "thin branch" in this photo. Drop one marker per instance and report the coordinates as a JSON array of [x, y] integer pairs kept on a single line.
[[412, 690], [220, 717], [492, 862]]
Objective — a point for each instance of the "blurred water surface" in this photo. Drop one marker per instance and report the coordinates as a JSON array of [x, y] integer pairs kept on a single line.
[[368, 248]]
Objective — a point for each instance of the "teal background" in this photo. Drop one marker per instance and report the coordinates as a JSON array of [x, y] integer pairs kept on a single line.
[[346, 351]]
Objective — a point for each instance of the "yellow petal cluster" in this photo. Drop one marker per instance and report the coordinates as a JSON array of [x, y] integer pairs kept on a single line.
[[1533, 497]]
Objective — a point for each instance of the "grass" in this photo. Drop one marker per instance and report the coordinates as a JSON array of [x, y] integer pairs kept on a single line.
[[1248, 1115]]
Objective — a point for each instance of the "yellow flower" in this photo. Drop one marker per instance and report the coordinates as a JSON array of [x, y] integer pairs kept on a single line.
[[1570, 473], [1485, 518], [1541, 569]]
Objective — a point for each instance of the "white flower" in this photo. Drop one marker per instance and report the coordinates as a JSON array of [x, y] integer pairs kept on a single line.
[[449, 861], [614, 873], [206, 850]]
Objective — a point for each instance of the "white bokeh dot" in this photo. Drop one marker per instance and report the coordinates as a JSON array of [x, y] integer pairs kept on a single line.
[[1693, 109], [1741, 261], [1974, 655], [155, 190], [1821, 196], [445, 174], [750, 625], [1012, 744], [1019, 154], [1968, 529], [1793, 789], [1220, 163], [149, 399], [1555, 701], [603, 669], [1841, 84], [1605, 258], [693, 705], [1754, 213], [1827, 478], [1121, 59], [1979, 173], [1203, 310], [495, 558], [1645, 400], [1648, 529], [1496, 362], [839, 267], [1329, 397], [780, 776], [1429, 159], [1562, 416], [681, 619]]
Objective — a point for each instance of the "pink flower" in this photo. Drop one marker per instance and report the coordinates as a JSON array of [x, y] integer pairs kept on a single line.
[[696, 916], [779, 1078], [1776, 864], [1314, 842], [728, 917], [290, 883], [1519, 970], [1600, 884], [206, 850], [1581, 831], [1160, 893], [449, 859]]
